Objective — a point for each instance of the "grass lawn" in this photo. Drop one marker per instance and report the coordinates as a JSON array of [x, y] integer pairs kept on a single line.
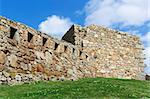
[[88, 88]]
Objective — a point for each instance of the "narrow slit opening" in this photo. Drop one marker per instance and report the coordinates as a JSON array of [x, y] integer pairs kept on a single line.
[[73, 50], [82, 44], [56, 45], [44, 40], [12, 32], [30, 36], [65, 48], [80, 53]]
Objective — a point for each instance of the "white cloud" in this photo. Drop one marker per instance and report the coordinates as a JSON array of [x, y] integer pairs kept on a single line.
[[146, 38], [109, 12], [55, 26]]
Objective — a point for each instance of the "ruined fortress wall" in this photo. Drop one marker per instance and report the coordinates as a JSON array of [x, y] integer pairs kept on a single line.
[[113, 53], [28, 55]]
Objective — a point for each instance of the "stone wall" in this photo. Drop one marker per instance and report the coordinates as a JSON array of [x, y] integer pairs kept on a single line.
[[29, 55], [113, 53]]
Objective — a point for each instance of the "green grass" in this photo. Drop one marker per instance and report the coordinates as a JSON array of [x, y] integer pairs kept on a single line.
[[88, 88]]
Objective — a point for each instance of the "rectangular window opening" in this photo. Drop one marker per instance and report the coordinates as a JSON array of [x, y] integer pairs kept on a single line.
[[73, 50], [12, 32], [82, 44], [80, 53], [44, 40], [30, 36], [65, 48], [56, 45]]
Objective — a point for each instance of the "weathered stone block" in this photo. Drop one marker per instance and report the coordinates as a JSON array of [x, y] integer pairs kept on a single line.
[[2, 57], [18, 77], [3, 28], [13, 60], [40, 67], [1, 67]]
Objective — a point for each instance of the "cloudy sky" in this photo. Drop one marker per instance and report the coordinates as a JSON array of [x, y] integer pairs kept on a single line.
[[55, 17]]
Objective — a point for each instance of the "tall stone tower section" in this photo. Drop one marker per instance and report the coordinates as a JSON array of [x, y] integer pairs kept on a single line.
[[113, 53]]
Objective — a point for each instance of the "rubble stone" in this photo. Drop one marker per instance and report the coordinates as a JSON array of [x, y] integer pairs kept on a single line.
[[2, 57]]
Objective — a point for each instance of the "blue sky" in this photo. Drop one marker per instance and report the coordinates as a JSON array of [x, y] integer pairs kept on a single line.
[[32, 12], [55, 17]]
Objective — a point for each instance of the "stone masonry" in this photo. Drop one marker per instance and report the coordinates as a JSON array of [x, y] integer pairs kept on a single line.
[[28, 55], [113, 53]]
